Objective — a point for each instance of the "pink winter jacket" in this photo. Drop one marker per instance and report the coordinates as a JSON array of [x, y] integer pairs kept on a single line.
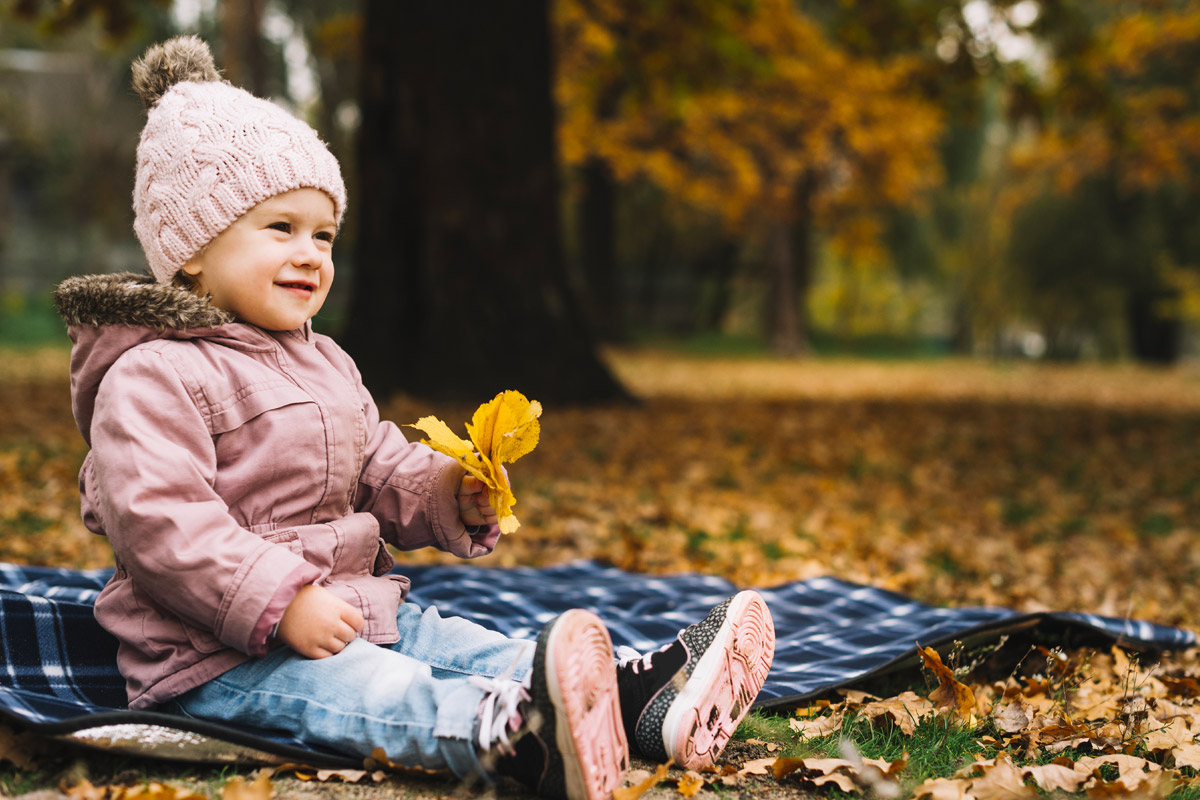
[[230, 467]]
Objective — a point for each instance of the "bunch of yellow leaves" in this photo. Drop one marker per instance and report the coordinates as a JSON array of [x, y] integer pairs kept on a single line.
[[501, 431]]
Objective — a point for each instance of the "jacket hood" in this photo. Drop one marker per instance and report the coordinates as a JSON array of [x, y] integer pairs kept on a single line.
[[127, 298], [106, 315]]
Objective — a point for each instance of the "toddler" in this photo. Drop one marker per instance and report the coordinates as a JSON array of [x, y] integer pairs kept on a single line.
[[249, 489]]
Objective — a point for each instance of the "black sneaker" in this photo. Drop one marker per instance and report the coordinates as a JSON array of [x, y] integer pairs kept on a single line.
[[684, 701], [568, 740]]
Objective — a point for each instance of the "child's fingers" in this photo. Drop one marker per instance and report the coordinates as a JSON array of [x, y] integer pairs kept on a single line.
[[485, 508], [353, 619]]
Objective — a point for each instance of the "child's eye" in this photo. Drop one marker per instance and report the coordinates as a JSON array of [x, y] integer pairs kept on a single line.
[[281, 226], [325, 236]]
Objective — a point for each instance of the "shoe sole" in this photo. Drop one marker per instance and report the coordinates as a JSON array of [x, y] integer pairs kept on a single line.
[[578, 681], [733, 648]]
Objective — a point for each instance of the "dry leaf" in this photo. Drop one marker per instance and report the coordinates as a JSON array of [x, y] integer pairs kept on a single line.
[[1186, 686], [771, 746], [1001, 780], [849, 775], [950, 693], [817, 727], [943, 789], [857, 697], [306, 773], [20, 748], [646, 782], [1168, 736], [1186, 755], [691, 783], [260, 789], [501, 430], [905, 710], [1010, 717], [1057, 777], [1124, 763], [84, 790], [757, 766]]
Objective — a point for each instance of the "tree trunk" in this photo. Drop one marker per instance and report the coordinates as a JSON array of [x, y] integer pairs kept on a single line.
[[597, 250], [242, 57], [459, 288], [790, 254], [1155, 339], [718, 267]]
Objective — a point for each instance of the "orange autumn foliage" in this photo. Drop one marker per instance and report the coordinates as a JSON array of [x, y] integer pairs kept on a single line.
[[728, 106]]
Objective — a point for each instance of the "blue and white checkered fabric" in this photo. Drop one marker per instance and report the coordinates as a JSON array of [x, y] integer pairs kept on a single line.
[[60, 666]]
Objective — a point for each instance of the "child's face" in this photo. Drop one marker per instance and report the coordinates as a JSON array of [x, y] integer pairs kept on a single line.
[[273, 266]]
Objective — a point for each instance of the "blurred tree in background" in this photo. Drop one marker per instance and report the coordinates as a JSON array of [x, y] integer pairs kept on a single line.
[[460, 282], [1003, 177], [1107, 227], [749, 113]]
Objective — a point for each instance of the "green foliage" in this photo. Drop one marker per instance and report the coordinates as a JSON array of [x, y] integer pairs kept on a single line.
[[29, 321]]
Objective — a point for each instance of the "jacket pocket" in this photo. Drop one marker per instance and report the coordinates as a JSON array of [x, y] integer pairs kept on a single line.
[[240, 409], [345, 548], [288, 537], [276, 434]]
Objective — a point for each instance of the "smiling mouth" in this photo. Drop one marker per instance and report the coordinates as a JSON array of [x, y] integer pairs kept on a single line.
[[307, 288]]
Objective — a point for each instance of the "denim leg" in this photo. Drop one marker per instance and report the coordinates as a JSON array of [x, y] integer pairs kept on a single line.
[[456, 647], [412, 698]]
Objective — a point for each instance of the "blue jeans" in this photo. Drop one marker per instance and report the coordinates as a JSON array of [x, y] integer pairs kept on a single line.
[[412, 698]]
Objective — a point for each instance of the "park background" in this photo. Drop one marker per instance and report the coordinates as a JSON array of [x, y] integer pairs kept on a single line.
[[901, 291]]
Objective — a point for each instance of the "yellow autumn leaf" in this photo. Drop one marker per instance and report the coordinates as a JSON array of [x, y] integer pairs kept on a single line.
[[238, 789], [502, 431], [690, 784]]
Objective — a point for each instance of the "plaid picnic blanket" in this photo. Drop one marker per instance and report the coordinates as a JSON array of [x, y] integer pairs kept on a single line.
[[60, 676]]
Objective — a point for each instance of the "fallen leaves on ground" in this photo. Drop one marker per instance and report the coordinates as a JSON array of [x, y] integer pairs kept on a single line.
[[999, 778], [236, 789], [21, 748], [1029, 487]]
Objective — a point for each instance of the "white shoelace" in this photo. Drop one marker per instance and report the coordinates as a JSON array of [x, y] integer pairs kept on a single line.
[[627, 656], [499, 712]]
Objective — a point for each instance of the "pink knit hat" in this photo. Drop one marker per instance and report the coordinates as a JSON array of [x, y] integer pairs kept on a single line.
[[210, 152]]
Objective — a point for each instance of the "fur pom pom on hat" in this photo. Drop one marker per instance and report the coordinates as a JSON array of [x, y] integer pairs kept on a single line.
[[210, 152]]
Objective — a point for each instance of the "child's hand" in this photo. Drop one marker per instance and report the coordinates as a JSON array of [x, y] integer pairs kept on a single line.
[[473, 505], [317, 623]]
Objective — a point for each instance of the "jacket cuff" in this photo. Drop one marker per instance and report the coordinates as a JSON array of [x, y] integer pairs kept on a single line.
[[264, 629], [253, 589], [445, 518]]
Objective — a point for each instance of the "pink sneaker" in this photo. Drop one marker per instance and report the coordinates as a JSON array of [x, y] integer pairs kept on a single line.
[[684, 701], [570, 742]]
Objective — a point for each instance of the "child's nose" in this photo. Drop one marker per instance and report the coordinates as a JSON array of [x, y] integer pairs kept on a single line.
[[307, 254]]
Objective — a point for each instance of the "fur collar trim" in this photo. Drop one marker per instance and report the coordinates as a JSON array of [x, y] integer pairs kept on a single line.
[[127, 298]]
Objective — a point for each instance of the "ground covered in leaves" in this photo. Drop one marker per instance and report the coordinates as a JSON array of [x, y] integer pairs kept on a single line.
[[1029, 486]]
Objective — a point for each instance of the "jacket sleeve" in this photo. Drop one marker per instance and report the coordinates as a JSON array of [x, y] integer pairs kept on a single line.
[[411, 489], [152, 475]]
